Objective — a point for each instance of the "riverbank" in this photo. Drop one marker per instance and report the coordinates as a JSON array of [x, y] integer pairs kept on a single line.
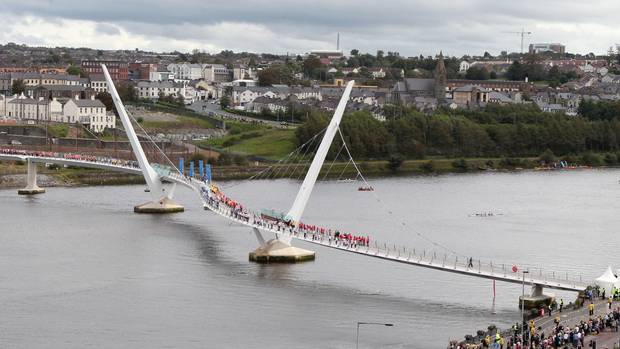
[[12, 175]]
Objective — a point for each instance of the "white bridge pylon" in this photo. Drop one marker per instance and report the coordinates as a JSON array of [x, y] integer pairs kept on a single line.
[[301, 200], [160, 195]]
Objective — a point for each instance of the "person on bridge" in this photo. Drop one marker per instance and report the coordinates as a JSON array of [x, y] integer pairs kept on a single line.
[[470, 264]]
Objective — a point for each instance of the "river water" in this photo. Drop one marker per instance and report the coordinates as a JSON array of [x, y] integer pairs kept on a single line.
[[79, 269]]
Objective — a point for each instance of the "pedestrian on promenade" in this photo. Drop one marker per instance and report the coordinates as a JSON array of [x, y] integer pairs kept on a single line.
[[561, 304], [609, 303], [591, 308]]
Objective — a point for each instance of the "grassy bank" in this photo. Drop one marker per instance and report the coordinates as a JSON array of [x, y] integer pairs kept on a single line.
[[254, 140], [182, 122]]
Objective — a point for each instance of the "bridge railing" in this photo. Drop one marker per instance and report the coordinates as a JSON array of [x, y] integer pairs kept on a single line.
[[424, 257]]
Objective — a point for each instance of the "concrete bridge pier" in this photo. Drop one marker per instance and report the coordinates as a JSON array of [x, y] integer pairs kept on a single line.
[[277, 251], [536, 299], [31, 181], [163, 205]]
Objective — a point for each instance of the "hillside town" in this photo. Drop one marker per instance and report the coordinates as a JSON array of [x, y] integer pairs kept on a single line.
[[66, 85]]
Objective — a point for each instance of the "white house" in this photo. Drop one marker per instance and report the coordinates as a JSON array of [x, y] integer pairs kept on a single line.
[[587, 68], [98, 83], [186, 71], [90, 112], [4, 100], [347, 70], [161, 76], [464, 66], [28, 109], [306, 92], [377, 73], [602, 71], [611, 79], [55, 110], [152, 89], [241, 71], [243, 95]]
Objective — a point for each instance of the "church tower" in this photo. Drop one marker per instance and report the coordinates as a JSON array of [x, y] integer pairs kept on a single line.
[[441, 80]]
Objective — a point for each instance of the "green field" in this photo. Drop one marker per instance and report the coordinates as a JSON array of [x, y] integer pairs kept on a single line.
[[182, 122], [250, 139]]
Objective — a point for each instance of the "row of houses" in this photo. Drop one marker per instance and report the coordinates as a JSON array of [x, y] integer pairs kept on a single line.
[[90, 112], [63, 84]]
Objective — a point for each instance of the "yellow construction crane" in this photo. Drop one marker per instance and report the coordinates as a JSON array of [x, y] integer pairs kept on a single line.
[[522, 33]]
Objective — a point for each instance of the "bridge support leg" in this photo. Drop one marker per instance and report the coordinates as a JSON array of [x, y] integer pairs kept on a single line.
[[277, 251], [537, 299], [163, 205], [31, 181]]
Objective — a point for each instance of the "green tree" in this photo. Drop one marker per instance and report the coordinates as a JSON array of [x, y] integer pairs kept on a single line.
[[355, 52], [312, 66], [225, 102], [18, 86], [460, 165], [477, 73], [515, 71], [275, 74], [106, 99], [395, 161], [547, 157], [126, 91], [76, 70]]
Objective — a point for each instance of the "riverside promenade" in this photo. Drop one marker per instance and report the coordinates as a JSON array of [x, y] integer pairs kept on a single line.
[[570, 317]]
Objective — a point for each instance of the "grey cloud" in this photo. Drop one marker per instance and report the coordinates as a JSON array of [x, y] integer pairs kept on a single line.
[[410, 27], [105, 28]]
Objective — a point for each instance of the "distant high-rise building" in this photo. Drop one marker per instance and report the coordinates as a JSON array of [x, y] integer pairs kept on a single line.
[[441, 80], [555, 48]]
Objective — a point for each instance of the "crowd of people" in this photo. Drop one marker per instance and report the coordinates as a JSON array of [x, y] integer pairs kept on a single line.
[[70, 156], [560, 336], [216, 199]]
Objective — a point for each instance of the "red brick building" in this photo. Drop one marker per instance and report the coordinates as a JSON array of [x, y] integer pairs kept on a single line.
[[118, 70], [141, 71]]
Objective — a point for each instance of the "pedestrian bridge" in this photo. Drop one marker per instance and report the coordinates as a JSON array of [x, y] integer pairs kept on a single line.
[[411, 256], [162, 180]]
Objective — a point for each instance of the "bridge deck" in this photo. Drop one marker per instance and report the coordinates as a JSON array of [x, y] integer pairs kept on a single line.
[[488, 271]]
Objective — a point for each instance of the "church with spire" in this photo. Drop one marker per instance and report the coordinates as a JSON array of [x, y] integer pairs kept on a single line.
[[428, 92], [441, 80]]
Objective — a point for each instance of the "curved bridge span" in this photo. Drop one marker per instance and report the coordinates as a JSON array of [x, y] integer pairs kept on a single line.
[[425, 259], [161, 181]]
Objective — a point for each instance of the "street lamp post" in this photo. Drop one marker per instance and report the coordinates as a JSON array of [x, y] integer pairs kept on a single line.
[[523, 309], [357, 335]]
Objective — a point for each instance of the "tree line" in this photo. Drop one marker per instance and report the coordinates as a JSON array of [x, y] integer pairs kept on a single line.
[[499, 131]]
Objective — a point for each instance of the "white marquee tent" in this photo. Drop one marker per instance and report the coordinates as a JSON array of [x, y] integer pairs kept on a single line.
[[607, 281]]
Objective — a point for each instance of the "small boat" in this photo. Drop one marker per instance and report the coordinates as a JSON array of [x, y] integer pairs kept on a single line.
[[346, 180], [366, 188], [147, 190]]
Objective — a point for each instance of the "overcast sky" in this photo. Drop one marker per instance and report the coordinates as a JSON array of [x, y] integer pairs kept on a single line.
[[411, 27]]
